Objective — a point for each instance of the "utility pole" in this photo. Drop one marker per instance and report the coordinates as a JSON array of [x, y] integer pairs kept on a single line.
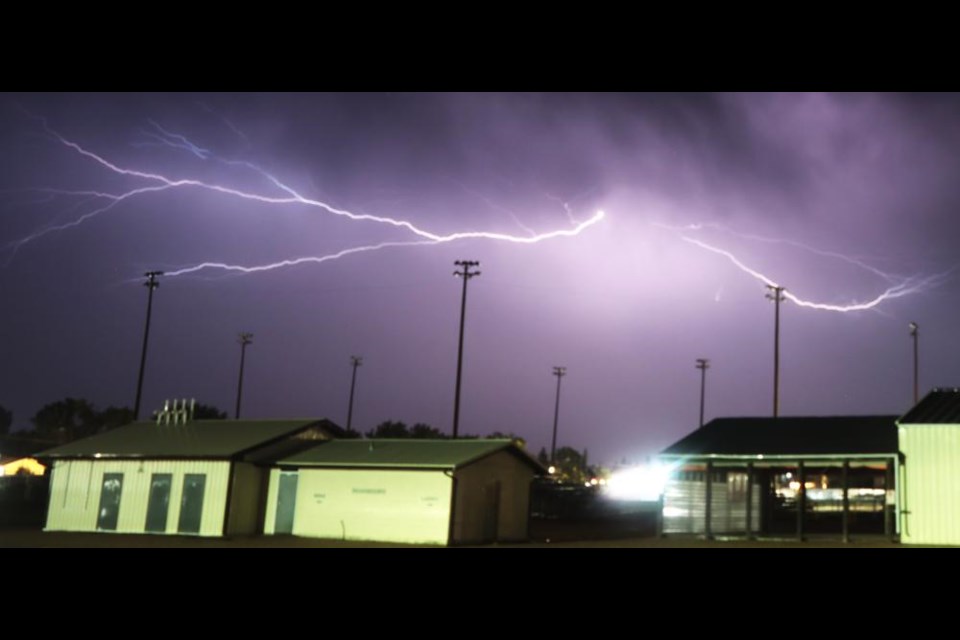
[[151, 284], [356, 362], [703, 364], [244, 339], [777, 296], [559, 372], [466, 274], [914, 331]]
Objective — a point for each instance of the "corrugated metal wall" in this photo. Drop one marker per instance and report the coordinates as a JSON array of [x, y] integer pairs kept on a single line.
[[501, 472], [685, 501], [356, 504], [931, 484], [270, 515], [76, 486]]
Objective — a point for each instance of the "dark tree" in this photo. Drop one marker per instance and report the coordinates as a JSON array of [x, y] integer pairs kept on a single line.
[[113, 417], [425, 431], [65, 420], [389, 429], [208, 412], [571, 465], [6, 419]]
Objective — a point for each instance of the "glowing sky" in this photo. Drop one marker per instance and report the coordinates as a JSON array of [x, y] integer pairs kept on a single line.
[[364, 201]]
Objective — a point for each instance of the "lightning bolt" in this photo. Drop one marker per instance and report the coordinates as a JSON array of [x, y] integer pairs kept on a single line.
[[906, 287], [288, 196]]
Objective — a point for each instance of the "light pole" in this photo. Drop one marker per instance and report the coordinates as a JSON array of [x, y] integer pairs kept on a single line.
[[777, 296], [244, 339], [356, 362], [914, 331], [151, 284], [559, 372], [703, 364], [466, 274]]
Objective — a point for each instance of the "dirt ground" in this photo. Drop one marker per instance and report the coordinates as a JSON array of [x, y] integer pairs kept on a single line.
[[33, 538]]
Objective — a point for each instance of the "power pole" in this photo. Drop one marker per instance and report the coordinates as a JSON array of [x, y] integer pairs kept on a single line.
[[703, 364], [559, 372], [356, 362], [914, 331], [151, 284], [777, 297], [244, 339], [466, 274]]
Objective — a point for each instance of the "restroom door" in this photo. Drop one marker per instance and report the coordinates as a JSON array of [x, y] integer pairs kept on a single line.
[[286, 502], [158, 505], [110, 501], [191, 503]]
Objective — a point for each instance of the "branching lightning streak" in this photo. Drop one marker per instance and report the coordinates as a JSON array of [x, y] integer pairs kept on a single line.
[[162, 182], [293, 261], [906, 287]]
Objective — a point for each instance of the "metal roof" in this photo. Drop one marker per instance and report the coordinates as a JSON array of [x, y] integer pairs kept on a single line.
[[940, 406], [195, 439], [407, 453], [855, 435]]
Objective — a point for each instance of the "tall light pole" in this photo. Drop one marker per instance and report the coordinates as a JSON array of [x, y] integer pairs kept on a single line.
[[777, 296], [151, 284], [914, 331], [466, 274], [356, 361], [559, 372], [703, 364], [244, 339]]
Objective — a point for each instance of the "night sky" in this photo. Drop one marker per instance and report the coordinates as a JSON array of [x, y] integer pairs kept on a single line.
[[839, 198]]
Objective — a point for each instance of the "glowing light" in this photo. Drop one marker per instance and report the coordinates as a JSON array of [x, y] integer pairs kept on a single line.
[[288, 196], [552, 470], [643, 483]]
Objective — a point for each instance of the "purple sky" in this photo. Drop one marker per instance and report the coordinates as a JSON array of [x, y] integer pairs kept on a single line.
[[627, 305]]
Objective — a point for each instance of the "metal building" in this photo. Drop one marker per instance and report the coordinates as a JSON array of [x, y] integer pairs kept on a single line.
[[929, 436], [412, 491], [199, 477], [780, 477]]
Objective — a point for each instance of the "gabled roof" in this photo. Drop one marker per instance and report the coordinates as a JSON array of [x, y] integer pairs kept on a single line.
[[791, 436], [940, 406], [406, 453], [219, 439]]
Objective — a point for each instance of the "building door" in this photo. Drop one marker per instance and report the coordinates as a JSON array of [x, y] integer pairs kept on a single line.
[[286, 502], [191, 502], [110, 501], [491, 511], [158, 505]]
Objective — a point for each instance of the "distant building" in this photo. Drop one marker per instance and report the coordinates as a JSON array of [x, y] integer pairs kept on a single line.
[[929, 437], [787, 476], [17, 456], [412, 491], [195, 477]]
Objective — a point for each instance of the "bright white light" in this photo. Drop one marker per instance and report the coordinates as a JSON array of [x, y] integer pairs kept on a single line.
[[552, 470], [593, 481], [643, 483]]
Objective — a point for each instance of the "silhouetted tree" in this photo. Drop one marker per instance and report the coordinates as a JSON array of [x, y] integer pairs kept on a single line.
[[65, 420], [113, 417], [426, 432], [570, 465], [208, 412], [6, 419], [389, 429]]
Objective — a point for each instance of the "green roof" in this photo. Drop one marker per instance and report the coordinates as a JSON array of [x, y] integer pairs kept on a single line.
[[195, 439], [412, 453]]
